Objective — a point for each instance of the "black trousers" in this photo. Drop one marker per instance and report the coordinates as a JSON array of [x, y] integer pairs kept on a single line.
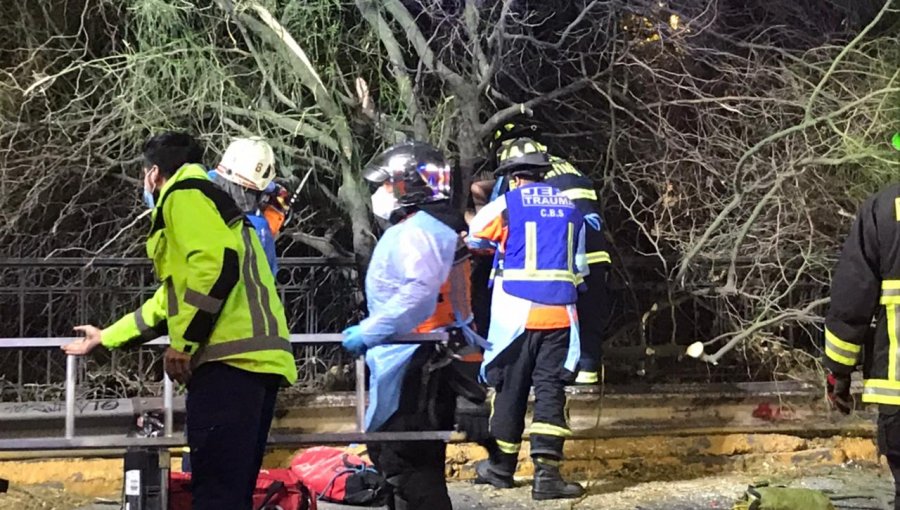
[[594, 311], [415, 469], [594, 305], [535, 358], [229, 412], [481, 294], [889, 444]]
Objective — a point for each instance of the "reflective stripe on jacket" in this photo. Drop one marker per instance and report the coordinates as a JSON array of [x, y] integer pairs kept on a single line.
[[866, 286], [545, 233], [578, 188], [217, 300]]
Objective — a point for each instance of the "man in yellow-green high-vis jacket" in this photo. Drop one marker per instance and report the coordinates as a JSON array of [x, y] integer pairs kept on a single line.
[[219, 306]]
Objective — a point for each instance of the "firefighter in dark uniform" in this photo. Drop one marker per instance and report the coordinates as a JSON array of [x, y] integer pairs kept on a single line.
[[866, 285], [594, 305], [533, 339]]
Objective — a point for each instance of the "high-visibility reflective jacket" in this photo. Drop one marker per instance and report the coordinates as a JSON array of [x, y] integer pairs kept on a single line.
[[580, 190], [217, 301], [866, 285]]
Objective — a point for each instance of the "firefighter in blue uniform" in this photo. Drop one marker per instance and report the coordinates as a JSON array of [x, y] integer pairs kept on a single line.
[[409, 266], [533, 338]]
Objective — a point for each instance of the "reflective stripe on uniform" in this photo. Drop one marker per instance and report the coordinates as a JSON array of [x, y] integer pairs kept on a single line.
[[892, 324], [880, 391], [890, 292], [253, 290], [579, 194], [142, 326], [587, 378], [570, 242], [540, 275], [202, 301], [507, 447], [546, 429], [560, 167], [840, 351], [222, 350], [171, 298], [265, 304], [598, 257], [530, 246]]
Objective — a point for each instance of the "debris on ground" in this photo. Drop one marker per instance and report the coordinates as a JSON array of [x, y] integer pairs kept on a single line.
[[849, 487]]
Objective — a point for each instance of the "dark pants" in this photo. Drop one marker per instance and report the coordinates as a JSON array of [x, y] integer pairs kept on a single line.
[[481, 294], [594, 305], [229, 413], [889, 444], [535, 358], [415, 469]]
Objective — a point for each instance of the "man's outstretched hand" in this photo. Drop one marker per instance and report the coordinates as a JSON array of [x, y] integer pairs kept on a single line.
[[84, 345]]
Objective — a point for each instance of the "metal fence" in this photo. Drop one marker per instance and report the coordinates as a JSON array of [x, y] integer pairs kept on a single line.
[[47, 297]]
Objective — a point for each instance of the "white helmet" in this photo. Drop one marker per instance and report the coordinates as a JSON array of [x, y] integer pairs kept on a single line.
[[249, 162]]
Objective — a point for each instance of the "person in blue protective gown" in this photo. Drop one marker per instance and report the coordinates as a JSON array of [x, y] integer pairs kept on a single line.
[[409, 266]]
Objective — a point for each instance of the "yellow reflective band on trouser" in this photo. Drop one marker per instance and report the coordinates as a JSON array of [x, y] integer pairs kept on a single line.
[[546, 429], [890, 292], [507, 447], [840, 351], [547, 460], [880, 391], [579, 194], [587, 378], [539, 275], [598, 257]]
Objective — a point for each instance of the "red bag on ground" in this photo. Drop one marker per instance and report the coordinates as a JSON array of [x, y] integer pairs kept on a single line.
[[340, 477], [276, 489]]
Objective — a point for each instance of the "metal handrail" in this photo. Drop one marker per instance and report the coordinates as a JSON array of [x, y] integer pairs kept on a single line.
[[168, 387]]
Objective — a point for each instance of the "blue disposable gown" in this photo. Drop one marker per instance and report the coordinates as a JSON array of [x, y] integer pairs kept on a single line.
[[410, 263]]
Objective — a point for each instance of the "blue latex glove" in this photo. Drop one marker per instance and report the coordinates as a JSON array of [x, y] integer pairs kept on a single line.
[[353, 341], [594, 221]]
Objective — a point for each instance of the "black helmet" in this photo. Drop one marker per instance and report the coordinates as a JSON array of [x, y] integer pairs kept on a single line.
[[510, 131], [523, 156], [418, 171]]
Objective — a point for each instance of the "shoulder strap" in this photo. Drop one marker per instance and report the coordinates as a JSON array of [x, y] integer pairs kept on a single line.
[[228, 210]]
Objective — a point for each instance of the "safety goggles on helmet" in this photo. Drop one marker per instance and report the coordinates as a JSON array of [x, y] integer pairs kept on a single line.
[[249, 162], [417, 171]]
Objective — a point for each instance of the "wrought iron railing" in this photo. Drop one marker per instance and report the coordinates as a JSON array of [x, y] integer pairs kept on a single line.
[[47, 297]]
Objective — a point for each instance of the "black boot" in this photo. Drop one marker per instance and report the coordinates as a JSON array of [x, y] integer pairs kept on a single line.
[[549, 484], [498, 470]]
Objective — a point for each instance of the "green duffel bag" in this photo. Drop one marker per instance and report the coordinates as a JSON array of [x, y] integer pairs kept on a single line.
[[783, 498]]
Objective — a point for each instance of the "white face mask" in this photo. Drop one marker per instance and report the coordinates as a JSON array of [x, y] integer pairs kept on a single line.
[[383, 203]]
